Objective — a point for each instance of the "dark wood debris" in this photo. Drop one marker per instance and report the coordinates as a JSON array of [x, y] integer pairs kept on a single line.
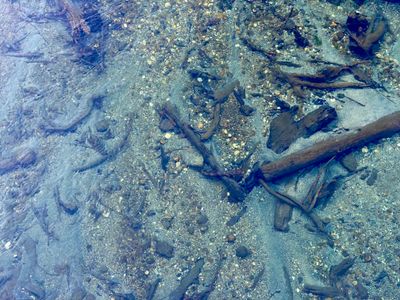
[[236, 218], [284, 129], [339, 270], [111, 153], [152, 288], [68, 207], [324, 291], [364, 34], [323, 79], [236, 192], [92, 103], [325, 150], [282, 216], [190, 278]]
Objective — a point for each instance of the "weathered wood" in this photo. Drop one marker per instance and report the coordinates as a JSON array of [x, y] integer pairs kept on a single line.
[[324, 291], [214, 123], [75, 17], [324, 150], [323, 79], [190, 278], [284, 129], [221, 94], [336, 271], [282, 216], [236, 192], [91, 103]]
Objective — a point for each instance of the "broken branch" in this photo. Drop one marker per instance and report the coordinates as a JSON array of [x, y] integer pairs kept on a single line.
[[236, 192]]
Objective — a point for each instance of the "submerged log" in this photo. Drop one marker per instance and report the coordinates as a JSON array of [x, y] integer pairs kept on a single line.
[[324, 150]]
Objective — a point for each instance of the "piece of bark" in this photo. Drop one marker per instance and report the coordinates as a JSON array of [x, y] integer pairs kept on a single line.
[[236, 192], [284, 130], [286, 199], [283, 211], [223, 92], [190, 278], [363, 35], [325, 150], [236, 218], [313, 194], [214, 123], [75, 18], [341, 269], [325, 291], [282, 216]]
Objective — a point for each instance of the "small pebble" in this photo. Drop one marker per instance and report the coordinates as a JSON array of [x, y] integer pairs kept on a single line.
[[242, 252], [349, 162], [202, 219], [166, 223], [372, 177], [164, 249], [231, 238], [7, 246], [367, 257], [102, 125]]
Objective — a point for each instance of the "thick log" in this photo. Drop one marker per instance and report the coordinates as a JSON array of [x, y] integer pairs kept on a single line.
[[324, 150]]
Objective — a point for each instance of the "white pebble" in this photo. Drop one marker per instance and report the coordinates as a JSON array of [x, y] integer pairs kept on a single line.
[[7, 246]]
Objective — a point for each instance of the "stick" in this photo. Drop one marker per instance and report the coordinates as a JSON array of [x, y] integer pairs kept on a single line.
[[235, 190], [111, 153], [322, 151], [283, 213], [91, 103], [214, 123]]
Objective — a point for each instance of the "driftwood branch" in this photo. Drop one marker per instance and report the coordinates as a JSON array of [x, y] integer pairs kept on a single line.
[[91, 103], [112, 153], [324, 150], [214, 123], [75, 17], [236, 192], [323, 79]]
